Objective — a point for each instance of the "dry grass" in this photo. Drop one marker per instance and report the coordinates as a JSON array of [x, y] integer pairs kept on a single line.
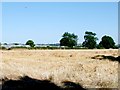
[[62, 65]]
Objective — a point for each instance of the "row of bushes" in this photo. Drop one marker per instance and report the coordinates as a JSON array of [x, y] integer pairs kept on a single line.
[[48, 47], [77, 47], [4, 48]]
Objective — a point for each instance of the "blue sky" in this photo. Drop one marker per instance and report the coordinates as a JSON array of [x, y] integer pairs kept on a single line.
[[46, 22]]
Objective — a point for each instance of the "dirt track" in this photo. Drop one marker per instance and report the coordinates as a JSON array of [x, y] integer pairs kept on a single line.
[[85, 67]]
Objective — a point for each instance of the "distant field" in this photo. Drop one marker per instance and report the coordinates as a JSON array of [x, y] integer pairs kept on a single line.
[[89, 68]]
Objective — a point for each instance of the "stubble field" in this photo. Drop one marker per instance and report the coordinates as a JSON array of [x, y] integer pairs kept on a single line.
[[89, 68]]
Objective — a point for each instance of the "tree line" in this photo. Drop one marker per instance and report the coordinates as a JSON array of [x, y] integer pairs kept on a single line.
[[90, 41], [70, 40]]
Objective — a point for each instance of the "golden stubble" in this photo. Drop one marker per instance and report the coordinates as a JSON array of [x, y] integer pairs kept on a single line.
[[62, 65]]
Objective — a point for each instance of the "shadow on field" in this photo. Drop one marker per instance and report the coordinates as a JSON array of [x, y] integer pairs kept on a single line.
[[27, 83], [112, 58]]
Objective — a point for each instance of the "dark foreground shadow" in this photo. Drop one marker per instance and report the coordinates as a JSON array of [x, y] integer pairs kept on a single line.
[[27, 83], [102, 57]]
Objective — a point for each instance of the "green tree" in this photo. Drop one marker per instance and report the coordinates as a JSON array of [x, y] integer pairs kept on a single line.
[[107, 42], [16, 43], [31, 43], [5, 44], [90, 40], [69, 40]]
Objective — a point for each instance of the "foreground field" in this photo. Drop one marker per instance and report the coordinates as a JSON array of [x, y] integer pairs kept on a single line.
[[89, 68]]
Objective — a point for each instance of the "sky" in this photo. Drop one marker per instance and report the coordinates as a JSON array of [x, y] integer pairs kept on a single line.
[[45, 22]]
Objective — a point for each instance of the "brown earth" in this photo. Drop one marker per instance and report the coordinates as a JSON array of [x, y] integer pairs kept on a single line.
[[87, 67]]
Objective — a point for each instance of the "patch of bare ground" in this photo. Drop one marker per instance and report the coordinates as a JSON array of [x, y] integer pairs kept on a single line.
[[58, 66]]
